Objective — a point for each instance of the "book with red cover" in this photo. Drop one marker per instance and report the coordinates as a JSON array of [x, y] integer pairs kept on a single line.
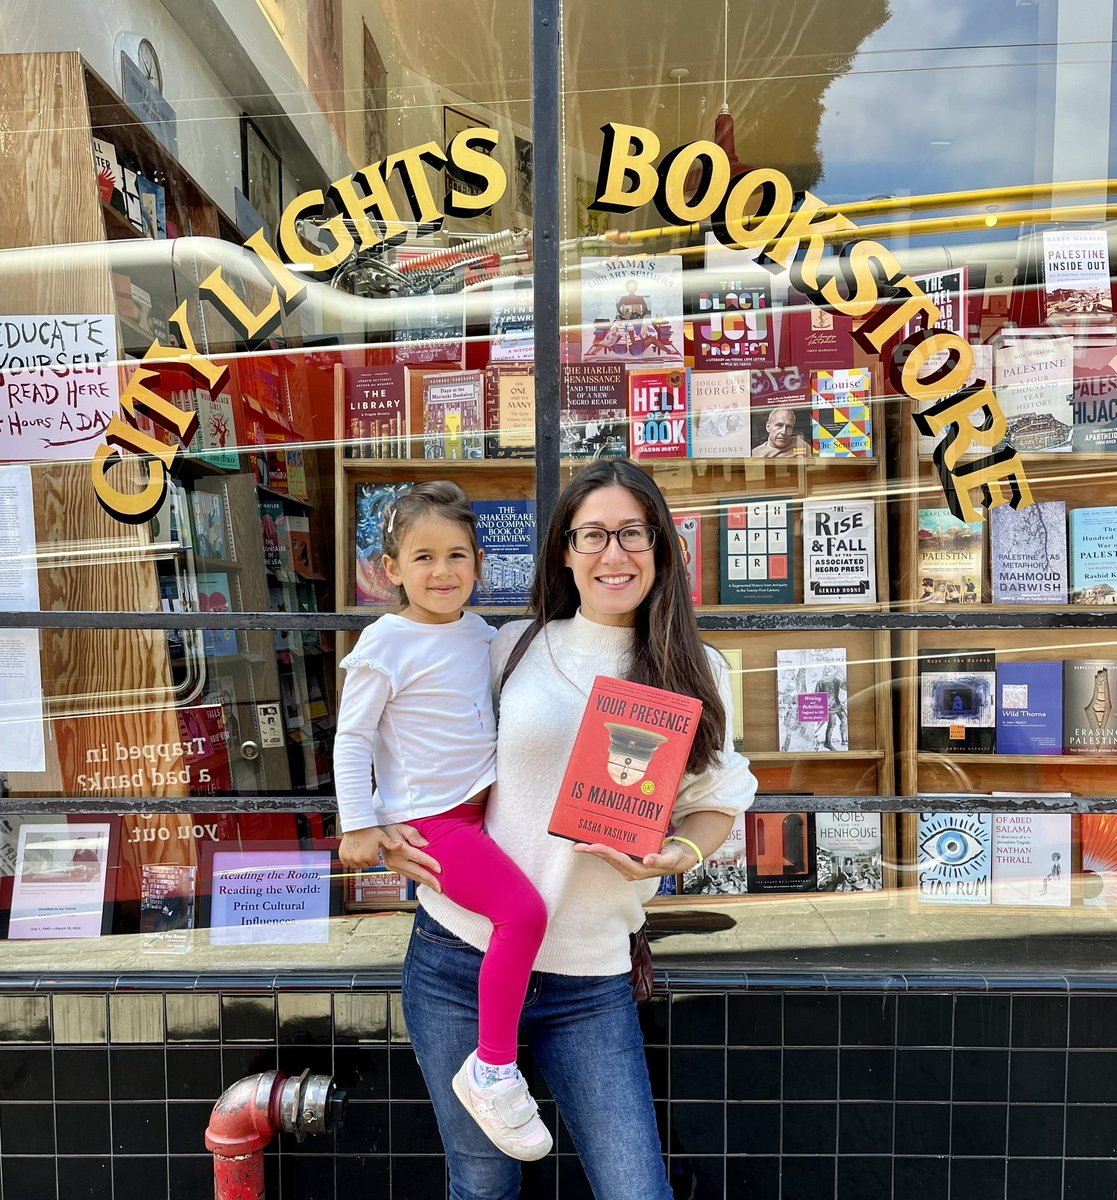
[[657, 410], [626, 766], [377, 419]]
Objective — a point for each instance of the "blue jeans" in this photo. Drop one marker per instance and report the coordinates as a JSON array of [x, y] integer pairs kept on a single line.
[[586, 1039]]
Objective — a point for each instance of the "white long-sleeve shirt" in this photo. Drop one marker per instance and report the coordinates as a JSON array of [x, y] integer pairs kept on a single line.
[[418, 703], [592, 908]]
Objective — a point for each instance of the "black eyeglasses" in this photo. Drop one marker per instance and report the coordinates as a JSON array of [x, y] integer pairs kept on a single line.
[[592, 539]]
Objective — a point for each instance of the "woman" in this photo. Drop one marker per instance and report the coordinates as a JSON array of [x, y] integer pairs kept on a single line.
[[610, 597]]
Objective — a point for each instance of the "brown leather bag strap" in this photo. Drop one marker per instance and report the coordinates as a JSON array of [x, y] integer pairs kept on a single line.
[[518, 651]]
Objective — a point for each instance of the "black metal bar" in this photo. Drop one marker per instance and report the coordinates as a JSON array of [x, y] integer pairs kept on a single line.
[[546, 187]]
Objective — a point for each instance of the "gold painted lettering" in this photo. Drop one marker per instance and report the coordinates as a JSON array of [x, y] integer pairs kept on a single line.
[[626, 158], [465, 163]]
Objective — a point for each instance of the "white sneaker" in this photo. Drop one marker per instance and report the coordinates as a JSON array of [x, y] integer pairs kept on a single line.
[[506, 1112]]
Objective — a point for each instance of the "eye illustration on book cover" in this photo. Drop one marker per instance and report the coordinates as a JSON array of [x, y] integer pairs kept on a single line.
[[954, 857]]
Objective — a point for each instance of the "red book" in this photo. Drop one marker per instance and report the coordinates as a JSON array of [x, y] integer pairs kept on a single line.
[[657, 411], [628, 759]]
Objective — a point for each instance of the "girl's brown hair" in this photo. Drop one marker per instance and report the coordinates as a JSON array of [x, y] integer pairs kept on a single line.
[[438, 498], [667, 651]]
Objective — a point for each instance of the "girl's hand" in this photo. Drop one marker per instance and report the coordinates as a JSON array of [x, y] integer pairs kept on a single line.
[[361, 848], [408, 857], [671, 860]]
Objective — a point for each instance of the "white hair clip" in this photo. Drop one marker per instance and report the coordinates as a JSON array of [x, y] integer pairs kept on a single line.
[[391, 520]]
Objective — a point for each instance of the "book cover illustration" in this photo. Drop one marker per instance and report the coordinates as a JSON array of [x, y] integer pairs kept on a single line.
[[955, 857], [735, 660], [302, 558], [839, 552], [632, 308], [841, 413], [506, 533], [377, 421], [1028, 553], [1032, 859], [217, 430], [780, 852], [510, 412], [725, 872], [454, 416], [215, 596], [167, 894], [1034, 380], [720, 414], [1099, 859], [1093, 555], [593, 412], [957, 702], [1094, 404], [812, 699], [657, 412], [373, 502], [950, 558], [210, 529], [1076, 279], [626, 766], [1089, 706], [1030, 708], [512, 321], [732, 324], [848, 847], [273, 527], [688, 527], [296, 474], [110, 178], [756, 545], [430, 328]]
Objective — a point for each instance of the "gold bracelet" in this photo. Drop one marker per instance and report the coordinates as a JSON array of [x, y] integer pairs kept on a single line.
[[687, 842]]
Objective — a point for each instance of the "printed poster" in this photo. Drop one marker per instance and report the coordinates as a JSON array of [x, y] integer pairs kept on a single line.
[[59, 885], [270, 897]]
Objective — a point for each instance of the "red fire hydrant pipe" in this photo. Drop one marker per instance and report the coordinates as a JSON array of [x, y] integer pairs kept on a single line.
[[244, 1120]]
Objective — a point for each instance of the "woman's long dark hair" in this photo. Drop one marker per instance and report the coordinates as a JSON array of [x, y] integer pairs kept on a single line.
[[667, 651]]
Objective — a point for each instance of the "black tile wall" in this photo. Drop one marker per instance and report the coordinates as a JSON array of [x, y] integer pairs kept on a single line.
[[860, 1095]]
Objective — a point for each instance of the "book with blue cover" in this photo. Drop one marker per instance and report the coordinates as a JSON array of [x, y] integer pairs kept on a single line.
[[1093, 555], [1030, 708], [955, 857], [506, 533], [756, 541]]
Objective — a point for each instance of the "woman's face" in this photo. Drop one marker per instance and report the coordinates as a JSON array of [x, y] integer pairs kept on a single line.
[[613, 583]]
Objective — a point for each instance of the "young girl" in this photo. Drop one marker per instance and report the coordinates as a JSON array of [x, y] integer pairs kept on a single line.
[[418, 703]]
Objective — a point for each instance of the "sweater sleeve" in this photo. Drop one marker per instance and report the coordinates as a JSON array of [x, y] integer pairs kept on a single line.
[[366, 692], [727, 786]]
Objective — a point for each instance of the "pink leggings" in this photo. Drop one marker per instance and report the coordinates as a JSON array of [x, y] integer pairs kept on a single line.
[[479, 876]]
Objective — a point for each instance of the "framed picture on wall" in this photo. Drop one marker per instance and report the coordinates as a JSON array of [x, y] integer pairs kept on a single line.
[[454, 120], [263, 174]]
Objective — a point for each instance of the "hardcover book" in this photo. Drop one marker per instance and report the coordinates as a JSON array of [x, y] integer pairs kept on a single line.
[[841, 413], [1093, 555], [1030, 708], [373, 503], [506, 533], [632, 308], [949, 292], [1034, 379], [1076, 278], [688, 526], [208, 509], [720, 414], [1028, 553], [725, 872], [812, 699], [377, 421], [657, 411], [955, 854], [454, 415], [512, 321], [215, 596], [1099, 859], [982, 372], [839, 552], [816, 336], [957, 702], [849, 850], [217, 429], [732, 324], [430, 329], [780, 852], [273, 526], [756, 551], [950, 558], [510, 412], [1094, 405], [1089, 712], [780, 413], [1032, 859], [593, 410], [626, 766]]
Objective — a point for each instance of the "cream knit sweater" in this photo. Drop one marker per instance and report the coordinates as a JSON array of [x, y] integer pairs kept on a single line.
[[592, 908]]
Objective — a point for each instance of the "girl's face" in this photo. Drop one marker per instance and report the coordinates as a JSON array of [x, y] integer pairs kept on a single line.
[[614, 582], [436, 568]]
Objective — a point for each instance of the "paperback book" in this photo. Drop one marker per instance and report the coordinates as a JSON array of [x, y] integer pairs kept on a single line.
[[626, 766], [657, 411], [732, 323], [377, 421], [430, 329], [720, 414], [215, 596], [506, 533], [1090, 706], [839, 552], [1099, 859], [1032, 859], [217, 429], [632, 308], [167, 894], [153, 207], [780, 852], [510, 412], [512, 321], [593, 421], [950, 558], [841, 413], [955, 857], [208, 509], [1028, 553], [1030, 708], [298, 531], [1093, 555], [1076, 277], [812, 699], [957, 702], [756, 551], [273, 527], [725, 872], [688, 526], [1094, 405], [849, 850], [980, 373], [373, 504], [454, 415], [110, 177], [1034, 378], [949, 292]]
